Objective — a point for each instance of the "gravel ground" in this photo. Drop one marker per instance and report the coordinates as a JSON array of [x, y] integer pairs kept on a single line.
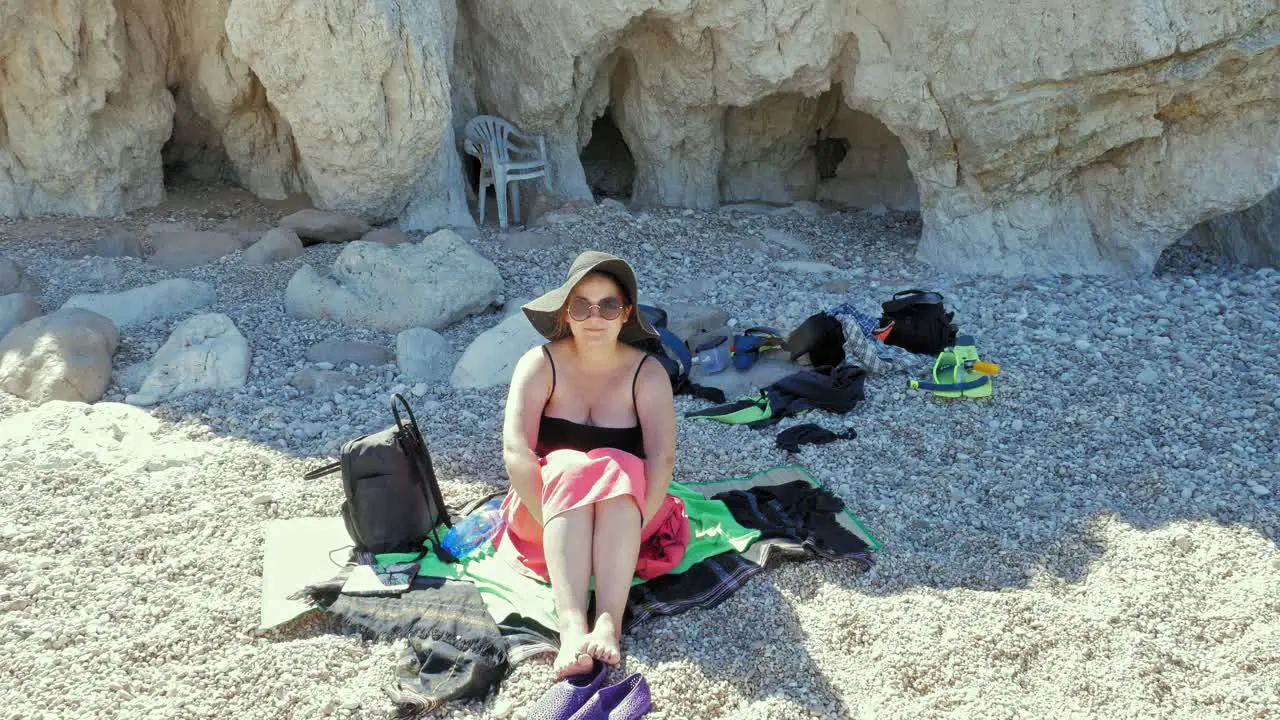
[[1096, 540]]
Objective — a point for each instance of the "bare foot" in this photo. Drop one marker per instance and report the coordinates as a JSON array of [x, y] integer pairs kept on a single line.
[[573, 658], [603, 641]]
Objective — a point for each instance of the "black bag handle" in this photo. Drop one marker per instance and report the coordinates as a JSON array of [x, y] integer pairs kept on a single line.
[[904, 299], [913, 291], [656, 316], [398, 398], [323, 470], [422, 458]]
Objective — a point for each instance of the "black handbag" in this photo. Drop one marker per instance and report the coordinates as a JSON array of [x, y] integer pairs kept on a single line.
[[393, 501]]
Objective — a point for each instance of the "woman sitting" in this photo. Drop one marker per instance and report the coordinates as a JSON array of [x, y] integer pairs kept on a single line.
[[589, 446]]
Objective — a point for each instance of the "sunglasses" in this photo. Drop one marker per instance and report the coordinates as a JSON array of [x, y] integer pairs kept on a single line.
[[580, 308]]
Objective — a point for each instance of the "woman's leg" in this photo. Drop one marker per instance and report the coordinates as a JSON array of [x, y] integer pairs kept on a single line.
[[566, 542], [614, 550]]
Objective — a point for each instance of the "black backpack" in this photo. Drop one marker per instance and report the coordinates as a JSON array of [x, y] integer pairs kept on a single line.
[[393, 501], [917, 321]]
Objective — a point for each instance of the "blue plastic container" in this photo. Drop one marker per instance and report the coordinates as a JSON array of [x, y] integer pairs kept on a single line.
[[474, 530]]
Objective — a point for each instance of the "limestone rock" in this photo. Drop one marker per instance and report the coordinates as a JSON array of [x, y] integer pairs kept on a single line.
[[523, 241], [65, 149], [166, 227], [180, 249], [807, 208], [177, 98], [14, 278], [423, 354], [205, 352], [15, 309], [141, 304], [364, 88], [276, 245], [770, 368], [769, 148], [689, 320], [325, 226], [790, 242], [491, 358], [321, 382], [65, 355], [118, 245], [430, 284], [1088, 149], [386, 236], [131, 376], [804, 266], [342, 352], [1251, 236], [1104, 134]]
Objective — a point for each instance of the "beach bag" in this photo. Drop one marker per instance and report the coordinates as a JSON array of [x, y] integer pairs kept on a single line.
[[674, 355], [917, 321], [393, 502]]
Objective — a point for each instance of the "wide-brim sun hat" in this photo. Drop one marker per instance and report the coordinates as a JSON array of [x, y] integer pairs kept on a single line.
[[542, 311]]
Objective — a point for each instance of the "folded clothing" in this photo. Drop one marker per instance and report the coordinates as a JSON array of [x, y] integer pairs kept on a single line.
[[798, 513]]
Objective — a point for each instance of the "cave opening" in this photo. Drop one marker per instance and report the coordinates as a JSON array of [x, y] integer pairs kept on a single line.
[[607, 161], [861, 164], [828, 153], [194, 153], [1247, 238], [790, 147]]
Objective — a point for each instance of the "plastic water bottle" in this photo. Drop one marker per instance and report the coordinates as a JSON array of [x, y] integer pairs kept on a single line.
[[474, 530], [713, 359]]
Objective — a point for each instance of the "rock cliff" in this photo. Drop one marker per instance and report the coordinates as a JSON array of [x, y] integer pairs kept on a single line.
[[1032, 137]]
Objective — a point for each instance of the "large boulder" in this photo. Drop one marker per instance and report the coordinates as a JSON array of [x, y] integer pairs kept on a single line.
[[205, 352], [325, 226], [365, 90], [100, 97], [15, 279], [491, 358], [65, 355], [141, 304], [341, 352], [430, 284], [186, 248], [277, 245], [423, 354], [15, 309]]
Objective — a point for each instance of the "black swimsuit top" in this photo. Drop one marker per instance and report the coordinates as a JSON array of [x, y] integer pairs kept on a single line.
[[559, 434]]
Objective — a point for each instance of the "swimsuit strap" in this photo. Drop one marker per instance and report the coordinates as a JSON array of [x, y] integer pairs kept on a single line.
[[634, 378], [547, 352]]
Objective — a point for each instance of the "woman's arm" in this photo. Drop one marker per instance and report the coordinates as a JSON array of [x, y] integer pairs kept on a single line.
[[527, 396], [657, 412]]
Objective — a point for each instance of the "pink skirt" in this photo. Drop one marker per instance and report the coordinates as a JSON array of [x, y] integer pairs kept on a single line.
[[572, 479]]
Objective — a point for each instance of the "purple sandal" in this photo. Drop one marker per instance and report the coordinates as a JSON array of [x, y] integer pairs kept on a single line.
[[627, 700], [569, 695]]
